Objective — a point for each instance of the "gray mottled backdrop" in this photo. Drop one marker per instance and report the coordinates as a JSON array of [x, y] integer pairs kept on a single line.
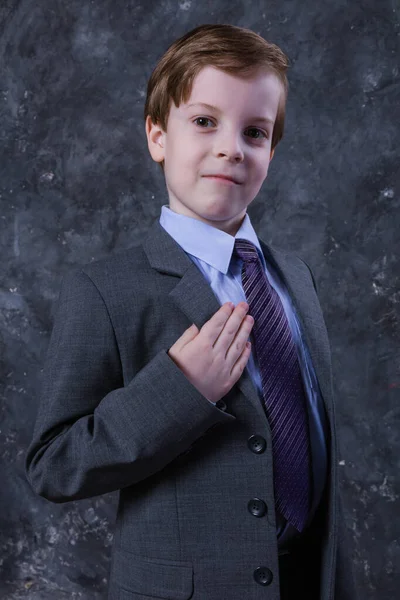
[[77, 182]]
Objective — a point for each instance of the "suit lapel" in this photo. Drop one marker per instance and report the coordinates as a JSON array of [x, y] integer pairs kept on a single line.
[[299, 284], [196, 299]]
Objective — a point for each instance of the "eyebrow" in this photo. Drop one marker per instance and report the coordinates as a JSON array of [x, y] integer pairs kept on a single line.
[[211, 107]]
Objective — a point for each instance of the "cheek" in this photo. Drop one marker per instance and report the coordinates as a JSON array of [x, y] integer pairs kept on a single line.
[[262, 168], [185, 153], [189, 163]]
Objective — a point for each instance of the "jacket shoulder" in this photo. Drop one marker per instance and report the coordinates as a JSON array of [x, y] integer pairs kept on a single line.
[[281, 256], [115, 266]]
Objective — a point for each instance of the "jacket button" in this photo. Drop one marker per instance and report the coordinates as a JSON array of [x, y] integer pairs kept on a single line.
[[263, 575], [257, 444], [221, 405], [257, 507]]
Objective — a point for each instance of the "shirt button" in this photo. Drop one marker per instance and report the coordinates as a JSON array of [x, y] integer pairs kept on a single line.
[[263, 575]]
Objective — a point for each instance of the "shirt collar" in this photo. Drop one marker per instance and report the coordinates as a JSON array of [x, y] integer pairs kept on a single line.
[[204, 241]]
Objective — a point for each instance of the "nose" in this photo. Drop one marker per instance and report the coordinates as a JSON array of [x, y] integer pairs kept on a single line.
[[229, 145]]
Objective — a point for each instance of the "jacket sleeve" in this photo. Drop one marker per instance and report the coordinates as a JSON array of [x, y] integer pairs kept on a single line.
[[93, 435]]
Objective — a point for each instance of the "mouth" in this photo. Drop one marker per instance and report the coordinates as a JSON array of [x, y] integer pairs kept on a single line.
[[222, 179]]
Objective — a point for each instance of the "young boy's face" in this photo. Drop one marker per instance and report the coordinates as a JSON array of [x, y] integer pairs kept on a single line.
[[231, 140]]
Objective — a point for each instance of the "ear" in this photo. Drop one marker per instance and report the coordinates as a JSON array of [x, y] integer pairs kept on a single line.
[[272, 154], [155, 140]]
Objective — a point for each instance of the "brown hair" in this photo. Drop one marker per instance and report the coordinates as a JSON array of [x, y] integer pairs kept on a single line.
[[234, 50]]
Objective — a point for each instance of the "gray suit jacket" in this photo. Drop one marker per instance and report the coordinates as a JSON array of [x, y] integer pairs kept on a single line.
[[116, 413]]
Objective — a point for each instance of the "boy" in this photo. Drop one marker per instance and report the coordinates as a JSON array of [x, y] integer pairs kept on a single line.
[[227, 477]]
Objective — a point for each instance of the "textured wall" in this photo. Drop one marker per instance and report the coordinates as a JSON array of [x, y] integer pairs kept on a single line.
[[77, 182]]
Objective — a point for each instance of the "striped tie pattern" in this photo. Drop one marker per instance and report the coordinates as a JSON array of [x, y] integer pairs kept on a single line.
[[282, 387]]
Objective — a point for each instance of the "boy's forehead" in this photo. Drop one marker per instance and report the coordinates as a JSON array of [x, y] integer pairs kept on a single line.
[[214, 87]]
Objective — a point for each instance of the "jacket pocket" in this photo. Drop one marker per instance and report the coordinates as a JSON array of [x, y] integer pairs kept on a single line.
[[155, 578]]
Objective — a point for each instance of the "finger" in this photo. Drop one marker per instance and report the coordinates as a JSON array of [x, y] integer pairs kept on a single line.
[[238, 344], [214, 326], [241, 363], [232, 326]]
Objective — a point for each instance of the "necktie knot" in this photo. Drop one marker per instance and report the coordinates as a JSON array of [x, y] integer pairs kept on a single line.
[[246, 250]]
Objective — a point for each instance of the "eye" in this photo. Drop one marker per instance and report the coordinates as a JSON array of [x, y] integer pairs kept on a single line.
[[249, 129], [259, 130], [201, 118]]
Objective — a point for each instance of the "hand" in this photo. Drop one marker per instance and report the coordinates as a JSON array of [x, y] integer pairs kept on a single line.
[[214, 358]]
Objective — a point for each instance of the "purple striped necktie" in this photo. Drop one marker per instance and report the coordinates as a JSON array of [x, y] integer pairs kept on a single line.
[[282, 387]]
